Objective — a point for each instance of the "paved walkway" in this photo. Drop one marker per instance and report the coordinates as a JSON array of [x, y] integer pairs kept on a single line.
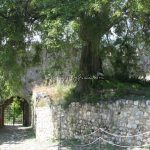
[[21, 138]]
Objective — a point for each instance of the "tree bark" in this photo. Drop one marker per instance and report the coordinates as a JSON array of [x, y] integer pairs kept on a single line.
[[91, 31], [90, 65]]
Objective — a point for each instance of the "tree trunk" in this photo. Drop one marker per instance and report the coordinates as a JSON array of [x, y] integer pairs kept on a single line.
[[90, 65]]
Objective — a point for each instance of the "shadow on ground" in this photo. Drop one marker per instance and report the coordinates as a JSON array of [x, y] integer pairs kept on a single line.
[[15, 134]]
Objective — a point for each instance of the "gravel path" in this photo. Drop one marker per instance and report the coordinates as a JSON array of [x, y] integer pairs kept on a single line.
[[21, 138]]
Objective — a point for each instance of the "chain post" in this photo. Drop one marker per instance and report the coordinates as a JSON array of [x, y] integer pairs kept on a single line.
[[60, 134], [59, 147]]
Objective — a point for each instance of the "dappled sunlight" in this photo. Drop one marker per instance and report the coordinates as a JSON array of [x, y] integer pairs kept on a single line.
[[148, 77], [21, 138], [73, 66], [15, 135]]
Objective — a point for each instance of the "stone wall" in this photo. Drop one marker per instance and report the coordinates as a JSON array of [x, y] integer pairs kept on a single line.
[[109, 120]]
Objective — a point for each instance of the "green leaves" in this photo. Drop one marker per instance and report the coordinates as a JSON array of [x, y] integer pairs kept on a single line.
[[65, 27], [16, 25], [16, 109]]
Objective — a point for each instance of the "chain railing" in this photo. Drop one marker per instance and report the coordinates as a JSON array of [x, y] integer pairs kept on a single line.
[[100, 142]]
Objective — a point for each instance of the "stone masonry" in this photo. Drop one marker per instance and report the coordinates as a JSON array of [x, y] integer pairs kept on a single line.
[[111, 120]]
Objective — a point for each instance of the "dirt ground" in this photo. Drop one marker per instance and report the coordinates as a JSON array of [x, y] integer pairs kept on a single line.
[[21, 138]]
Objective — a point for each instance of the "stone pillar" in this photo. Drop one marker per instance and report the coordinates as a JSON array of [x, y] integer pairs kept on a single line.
[[43, 124]]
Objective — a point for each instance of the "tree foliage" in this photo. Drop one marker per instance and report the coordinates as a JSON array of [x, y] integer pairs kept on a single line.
[[118, 27], [17, 27], [117, 30]]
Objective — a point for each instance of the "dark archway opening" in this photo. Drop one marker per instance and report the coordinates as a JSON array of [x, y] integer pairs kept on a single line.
[[16, 111], [13, 114]]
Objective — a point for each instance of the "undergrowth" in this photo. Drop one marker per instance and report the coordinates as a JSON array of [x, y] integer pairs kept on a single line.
[[103, 91]]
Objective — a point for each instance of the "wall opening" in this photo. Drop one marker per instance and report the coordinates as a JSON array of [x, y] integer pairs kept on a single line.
[[13, 114], [16, 111]]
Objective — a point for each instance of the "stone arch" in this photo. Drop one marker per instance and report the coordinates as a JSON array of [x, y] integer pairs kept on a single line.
[[26, 108]]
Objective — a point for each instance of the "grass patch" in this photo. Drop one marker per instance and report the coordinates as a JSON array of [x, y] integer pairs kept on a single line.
[[102, 90], [63, 90], [57, 92], [110, 90]]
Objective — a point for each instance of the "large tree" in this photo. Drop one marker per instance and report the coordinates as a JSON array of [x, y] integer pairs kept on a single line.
[[96, 19], [91, 20]]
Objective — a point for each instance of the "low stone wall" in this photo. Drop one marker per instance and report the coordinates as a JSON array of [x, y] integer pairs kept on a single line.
[[108, 120], [111, 120]]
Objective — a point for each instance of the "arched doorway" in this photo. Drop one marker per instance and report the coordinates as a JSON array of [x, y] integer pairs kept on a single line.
[[13, 114], [9, 114]]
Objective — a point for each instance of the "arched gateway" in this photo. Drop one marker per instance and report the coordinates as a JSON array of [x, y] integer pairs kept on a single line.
[[26, 110]]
